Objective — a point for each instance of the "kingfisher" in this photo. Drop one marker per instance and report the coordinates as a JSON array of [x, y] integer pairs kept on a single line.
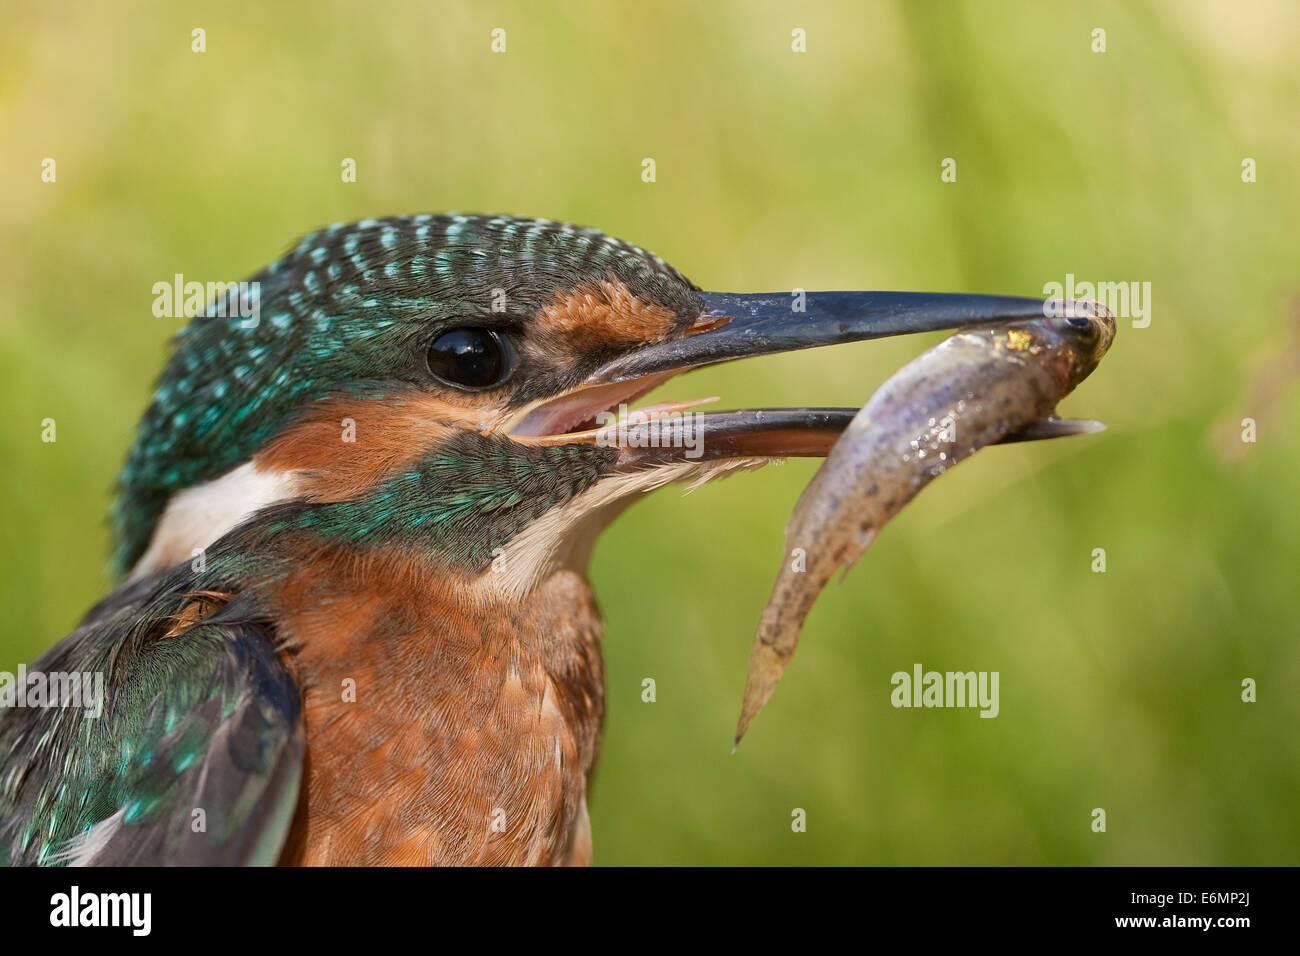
[[354, 624]]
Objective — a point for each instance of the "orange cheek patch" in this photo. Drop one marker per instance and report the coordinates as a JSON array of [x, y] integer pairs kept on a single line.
[[341, 448], [607, 311]]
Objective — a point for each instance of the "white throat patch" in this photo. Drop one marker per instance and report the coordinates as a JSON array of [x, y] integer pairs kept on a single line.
[[198, 516], [563, 538]]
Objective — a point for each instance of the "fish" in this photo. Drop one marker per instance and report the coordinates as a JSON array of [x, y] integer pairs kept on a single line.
[[983, 386]]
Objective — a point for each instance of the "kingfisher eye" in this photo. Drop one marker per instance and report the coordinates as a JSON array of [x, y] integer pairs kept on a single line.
[[469, 358]]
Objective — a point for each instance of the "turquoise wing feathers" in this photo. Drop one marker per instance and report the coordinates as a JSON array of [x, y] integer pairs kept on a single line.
[[196, 758]]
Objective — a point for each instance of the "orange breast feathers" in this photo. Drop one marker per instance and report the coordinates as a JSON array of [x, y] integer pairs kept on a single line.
[[442, 728]]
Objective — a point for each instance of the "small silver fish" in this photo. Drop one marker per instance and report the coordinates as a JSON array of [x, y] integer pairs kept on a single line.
[[980, 387]]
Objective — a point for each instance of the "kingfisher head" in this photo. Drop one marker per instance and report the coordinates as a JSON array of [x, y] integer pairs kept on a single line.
[[459, 383]]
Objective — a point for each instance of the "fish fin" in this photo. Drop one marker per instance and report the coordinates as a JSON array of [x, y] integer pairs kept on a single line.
[[864, 541], [766, 665]]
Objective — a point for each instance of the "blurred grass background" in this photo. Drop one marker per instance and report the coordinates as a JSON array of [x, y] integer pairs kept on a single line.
[[775, 170]]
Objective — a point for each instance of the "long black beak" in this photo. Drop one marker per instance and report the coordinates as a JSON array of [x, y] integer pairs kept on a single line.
[[742, 325]]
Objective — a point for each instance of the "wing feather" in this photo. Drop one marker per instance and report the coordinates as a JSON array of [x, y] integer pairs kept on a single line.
[[196, 758]]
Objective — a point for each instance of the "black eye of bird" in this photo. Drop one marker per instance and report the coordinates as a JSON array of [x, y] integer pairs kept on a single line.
[[469, 358]]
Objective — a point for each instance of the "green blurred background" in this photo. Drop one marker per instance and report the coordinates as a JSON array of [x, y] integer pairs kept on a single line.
[[774, 170]]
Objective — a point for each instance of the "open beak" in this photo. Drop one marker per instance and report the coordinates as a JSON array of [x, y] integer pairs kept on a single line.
[[744, 325]]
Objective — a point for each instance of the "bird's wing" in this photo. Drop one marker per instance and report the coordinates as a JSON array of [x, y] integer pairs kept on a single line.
[[129, 594], [195, 759]]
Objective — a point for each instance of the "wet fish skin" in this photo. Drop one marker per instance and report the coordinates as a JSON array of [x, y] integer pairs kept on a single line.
[[977, 388]]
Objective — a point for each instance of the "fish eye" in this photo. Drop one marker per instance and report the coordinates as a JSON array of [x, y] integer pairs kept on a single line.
[[470, 358]]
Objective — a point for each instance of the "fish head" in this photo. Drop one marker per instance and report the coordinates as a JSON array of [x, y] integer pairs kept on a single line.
[[1068, 341]]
